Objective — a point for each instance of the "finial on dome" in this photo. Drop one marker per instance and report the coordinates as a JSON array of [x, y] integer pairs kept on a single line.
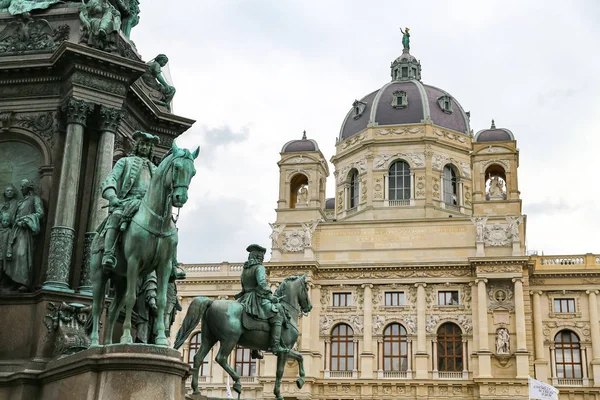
[[304, 135], [405, 39], [406, 67], [493, 125]]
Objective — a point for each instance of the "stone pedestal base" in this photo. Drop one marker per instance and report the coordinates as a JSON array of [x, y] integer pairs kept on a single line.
[[596, 372], [116, 372], [541, 370], [421, 366], [485, 364]]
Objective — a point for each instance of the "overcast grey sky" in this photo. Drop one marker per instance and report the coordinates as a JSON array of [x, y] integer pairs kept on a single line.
[[255, 74]]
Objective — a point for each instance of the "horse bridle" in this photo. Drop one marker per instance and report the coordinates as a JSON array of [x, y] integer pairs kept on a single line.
[[298, 309]]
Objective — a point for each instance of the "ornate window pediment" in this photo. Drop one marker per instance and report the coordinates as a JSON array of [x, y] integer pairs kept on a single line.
[[445, 103], [359, 108], [399, 99]]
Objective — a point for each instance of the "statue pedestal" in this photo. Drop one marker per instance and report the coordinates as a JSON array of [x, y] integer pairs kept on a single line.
[[116, 372]]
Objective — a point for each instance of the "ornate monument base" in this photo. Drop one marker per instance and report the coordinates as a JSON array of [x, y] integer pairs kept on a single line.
[[136, 372]]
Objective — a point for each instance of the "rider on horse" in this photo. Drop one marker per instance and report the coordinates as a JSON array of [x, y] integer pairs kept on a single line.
[[124, 189], [257, 299]]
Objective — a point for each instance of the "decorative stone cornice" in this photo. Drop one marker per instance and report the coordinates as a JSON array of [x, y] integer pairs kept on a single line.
[[77, 111], [110, 119]]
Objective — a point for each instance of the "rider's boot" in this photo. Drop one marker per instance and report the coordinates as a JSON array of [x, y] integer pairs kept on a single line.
[[276, 346], [108, 258]]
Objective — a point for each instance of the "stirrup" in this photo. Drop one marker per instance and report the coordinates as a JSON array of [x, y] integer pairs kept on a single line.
[[109, 261]]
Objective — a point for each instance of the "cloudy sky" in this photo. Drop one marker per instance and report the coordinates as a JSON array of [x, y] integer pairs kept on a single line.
[[255, 74]]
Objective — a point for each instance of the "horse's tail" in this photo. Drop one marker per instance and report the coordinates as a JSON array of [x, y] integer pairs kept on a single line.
[[192, 318]]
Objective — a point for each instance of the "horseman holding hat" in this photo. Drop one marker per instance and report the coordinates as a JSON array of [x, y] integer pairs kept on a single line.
[[257, 299], [124, 189]]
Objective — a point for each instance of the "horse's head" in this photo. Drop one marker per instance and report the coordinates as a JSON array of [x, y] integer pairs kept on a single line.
[[182, 170], [295, 290]]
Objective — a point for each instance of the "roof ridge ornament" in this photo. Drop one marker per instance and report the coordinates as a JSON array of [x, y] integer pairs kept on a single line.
[[304, 135], [493, 125]]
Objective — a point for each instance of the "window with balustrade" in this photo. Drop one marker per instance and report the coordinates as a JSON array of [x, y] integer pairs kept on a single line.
[[194, 347], [567, 354], [342, 299], [342, 348], [450, 185], [395, 348], [394, 299], [399, 183], [449, 348], [354, 189], [245, 365], [564, 305]]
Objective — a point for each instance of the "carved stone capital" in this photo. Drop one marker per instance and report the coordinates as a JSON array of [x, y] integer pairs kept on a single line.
[[535, 292], [420, 284], [369, 285], [481, 280], [588, 292], [110, 119], [77, 111], [515, 280]]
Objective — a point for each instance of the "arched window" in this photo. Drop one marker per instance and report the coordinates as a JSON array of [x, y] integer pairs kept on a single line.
[[299, 191], [399, 181], [354, 190], [495, 183], [342, 348], [395, 348], [194, 347], [450, 348], [568, 355], [245, 365], [450, 186]]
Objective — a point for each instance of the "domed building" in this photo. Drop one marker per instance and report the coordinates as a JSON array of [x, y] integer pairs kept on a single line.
[[420, 284]]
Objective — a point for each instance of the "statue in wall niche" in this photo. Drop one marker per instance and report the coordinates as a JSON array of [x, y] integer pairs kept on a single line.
[[502, 341], [154, 78], [100, 24], [21, 241], [302, 195], [146, 308], [496, 190]]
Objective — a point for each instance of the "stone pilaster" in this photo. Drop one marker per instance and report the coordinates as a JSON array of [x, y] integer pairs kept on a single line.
[[595, 333], [484, 354], [62, 237], [110, 119], [421, 356], [541, 364], [367, 356], [522, 354]]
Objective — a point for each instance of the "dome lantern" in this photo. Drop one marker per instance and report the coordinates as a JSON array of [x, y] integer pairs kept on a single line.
[[406, 67]]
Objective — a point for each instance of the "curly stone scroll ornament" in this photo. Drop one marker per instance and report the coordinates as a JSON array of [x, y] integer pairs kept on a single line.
[[69, 324], [496, 236]]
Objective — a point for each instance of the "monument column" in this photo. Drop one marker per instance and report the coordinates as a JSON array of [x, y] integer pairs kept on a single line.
[[521, 353], [62, 236], [540, 363], [110, 119], [421, 357], [485, 362], [595, 333], [367, 356]]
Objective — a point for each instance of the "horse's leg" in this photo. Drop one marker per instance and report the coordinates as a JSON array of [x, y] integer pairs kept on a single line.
[[224, 351], [133, 266], [98, 284], [295, 355], [115, 308], [206, 343], [162, 276], [281, 359]]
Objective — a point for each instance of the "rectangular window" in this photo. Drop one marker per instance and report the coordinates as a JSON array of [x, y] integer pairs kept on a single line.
[[342, 299], [393, 299], [564, 305], [244, 364], [448, 298], [404, 72]]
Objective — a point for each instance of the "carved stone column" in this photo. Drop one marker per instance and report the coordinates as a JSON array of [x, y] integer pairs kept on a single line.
[[521, 353], [110, 119], [421, 355], [62, 236], [367, 357], [484, 355], [540, 363], [595, 333]]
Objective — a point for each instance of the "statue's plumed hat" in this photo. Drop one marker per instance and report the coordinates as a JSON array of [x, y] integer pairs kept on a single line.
[[145, 136], [256, 247]]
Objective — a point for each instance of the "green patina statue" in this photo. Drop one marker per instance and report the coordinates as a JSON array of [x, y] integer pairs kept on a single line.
[[154, 79], [130, 15], [252, 322], [405, 38], [16, 7], [139, 234], [100, 24]]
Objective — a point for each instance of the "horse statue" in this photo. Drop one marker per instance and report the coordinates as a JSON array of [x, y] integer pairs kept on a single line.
[[149, 244], [222, 322]]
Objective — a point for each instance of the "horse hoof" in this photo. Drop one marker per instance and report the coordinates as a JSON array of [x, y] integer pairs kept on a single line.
[[126, 339], [300, 383], [95, 343], [162, 342], [237, 387]]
